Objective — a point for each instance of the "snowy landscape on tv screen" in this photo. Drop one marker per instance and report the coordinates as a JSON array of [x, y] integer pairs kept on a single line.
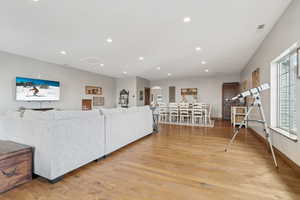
[[28, 89]]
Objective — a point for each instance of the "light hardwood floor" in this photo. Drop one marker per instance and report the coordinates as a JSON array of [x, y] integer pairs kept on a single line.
[[180, 163]]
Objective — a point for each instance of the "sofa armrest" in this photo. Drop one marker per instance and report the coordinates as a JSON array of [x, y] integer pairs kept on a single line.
[[74, 143], [34, 133]]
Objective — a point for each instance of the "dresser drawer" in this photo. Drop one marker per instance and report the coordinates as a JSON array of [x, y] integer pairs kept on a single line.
[[15, 170]]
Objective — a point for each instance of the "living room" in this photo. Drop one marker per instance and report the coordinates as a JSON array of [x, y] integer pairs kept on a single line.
[[149, 100]]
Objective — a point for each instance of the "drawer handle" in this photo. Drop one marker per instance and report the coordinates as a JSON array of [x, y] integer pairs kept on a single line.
[[10, 174]]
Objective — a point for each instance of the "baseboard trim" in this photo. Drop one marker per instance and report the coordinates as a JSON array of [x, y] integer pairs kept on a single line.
[[287, 160]]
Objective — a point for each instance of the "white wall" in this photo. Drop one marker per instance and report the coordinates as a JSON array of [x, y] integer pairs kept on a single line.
[[283, 36], [209, 89], [72, 82], [141, 84]]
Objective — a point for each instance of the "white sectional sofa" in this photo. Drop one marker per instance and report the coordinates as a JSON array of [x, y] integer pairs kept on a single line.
[[124, 126], [62, 140], [66, 140]]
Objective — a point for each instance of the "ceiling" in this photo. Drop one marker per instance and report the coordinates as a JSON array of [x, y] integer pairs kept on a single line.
[[226, 31]]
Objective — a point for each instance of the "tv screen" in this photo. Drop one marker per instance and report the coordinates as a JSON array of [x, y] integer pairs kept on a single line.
[[28, 89]]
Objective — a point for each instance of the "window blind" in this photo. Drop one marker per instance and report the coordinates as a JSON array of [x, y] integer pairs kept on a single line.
[[287, 76]]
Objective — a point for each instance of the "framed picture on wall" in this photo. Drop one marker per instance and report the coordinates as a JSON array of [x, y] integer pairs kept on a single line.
[[93, 90], [244, 86], [86, 104], [189, 91], [98, 101], [256, 78]]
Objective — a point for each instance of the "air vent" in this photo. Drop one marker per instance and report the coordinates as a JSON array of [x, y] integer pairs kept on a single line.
[[261, 26], [90, 60]]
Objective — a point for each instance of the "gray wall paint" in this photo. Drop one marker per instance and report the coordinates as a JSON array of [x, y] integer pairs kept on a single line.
[[72, 81], [209, 89], [283, 36]]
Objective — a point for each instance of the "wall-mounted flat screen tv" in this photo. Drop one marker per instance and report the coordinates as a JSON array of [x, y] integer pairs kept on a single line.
[[28, 89]]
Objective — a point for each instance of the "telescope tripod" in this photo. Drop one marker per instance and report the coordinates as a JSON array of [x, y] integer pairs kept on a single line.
[[257, 102]]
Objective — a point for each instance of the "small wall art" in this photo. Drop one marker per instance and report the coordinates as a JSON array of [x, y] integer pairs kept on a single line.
[[256, 78], [98, 101], [86, 104], [93, 90]]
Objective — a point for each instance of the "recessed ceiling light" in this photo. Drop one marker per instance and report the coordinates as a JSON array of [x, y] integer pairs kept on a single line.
[[169, 74], [203, 62], [141, 58], [158, 68], [206, 70], [63, 52], [35, 0], [198, 48], [187, 20], [124, 72], [101, 64], [109, 40]]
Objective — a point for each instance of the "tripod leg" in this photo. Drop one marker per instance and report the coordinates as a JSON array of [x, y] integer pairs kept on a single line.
[[272, 150], [238, 130], [267, 132]]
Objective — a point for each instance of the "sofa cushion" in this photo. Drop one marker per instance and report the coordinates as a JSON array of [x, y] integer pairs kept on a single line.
[[13, 114], [59, 115], [38, 115], [107, 111]]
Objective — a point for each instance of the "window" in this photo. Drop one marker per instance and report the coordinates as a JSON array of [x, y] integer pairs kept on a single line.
[[286, 94]]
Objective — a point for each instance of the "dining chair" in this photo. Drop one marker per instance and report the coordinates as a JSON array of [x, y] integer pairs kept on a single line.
[[184, 113], [197, 104], [163, 112], [173, 112], [198, 114]]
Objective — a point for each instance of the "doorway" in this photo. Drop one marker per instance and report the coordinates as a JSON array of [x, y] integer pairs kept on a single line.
[[229, 90], [172, 94], [147, 96]]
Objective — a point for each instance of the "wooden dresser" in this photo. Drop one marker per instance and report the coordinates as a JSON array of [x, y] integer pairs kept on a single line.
[[15, 165]]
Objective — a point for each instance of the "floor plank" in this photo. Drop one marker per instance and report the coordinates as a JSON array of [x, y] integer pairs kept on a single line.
[[179, 163]]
